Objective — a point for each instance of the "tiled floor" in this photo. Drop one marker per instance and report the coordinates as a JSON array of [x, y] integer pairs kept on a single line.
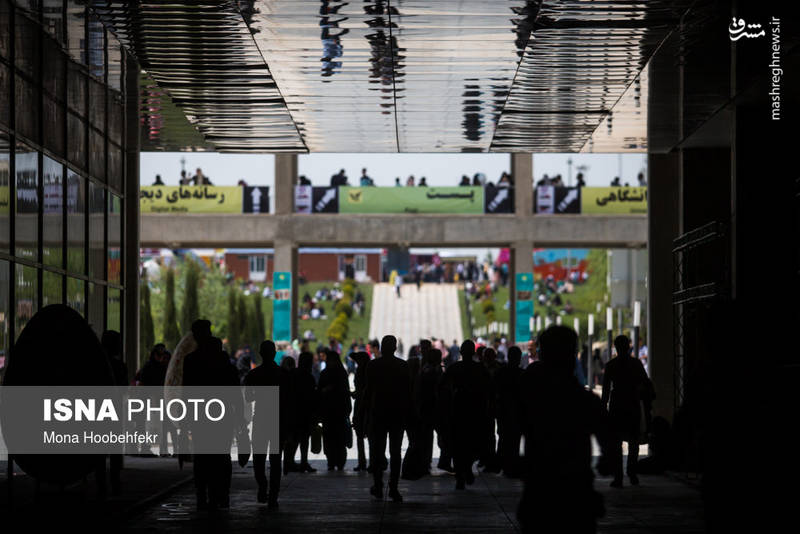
[[340, 502]]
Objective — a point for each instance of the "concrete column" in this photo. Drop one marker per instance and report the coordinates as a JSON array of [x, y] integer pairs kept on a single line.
[[521, 262], [130, 257], [663, 227], [522, 172], [285, 259], [285, 180]]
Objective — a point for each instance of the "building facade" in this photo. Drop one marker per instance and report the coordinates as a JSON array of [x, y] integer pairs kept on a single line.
[[63, 166]]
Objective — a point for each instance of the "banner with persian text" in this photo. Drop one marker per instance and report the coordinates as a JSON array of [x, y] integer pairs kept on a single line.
[[457, 199], [191, 199], [614, 200]]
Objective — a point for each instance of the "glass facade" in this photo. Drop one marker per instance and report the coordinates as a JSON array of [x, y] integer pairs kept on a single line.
[[62, 168]]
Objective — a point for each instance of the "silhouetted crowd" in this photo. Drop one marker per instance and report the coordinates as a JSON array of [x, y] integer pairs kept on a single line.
[[477, 408]]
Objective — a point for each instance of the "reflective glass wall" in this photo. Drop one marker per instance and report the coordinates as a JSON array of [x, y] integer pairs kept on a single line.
[[62, 173]]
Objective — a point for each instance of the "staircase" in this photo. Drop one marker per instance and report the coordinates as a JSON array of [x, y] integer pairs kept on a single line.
[[431, 311]]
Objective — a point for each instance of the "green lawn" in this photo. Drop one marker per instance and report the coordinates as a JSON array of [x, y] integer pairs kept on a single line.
[[584, 301], [501, 314], [358, 325]]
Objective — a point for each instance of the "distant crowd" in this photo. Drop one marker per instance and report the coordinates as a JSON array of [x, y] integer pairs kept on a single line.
[[478, 179]]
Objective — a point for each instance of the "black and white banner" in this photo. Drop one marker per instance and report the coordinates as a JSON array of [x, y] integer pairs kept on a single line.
[[312, 199], [551, 199], [498, 200], [255, 199]]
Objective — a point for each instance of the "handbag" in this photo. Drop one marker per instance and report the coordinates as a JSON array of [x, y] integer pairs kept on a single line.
[[316, 439]]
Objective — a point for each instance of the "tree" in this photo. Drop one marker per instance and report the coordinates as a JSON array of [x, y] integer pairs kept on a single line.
[[241, 320], [234, 332], [190, 301], [259, 330], [171, 334], [147, 337]]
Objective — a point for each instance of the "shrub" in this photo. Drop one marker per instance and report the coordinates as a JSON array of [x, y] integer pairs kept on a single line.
[[343, 307], [338, 328], [487, 307]]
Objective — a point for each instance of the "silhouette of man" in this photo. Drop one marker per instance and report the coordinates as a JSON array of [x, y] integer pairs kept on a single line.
[[387, 397], [111, 340], [268, 373], [468, 381], [507, 381], [359, 381], [208, 366], [558, 420], [625, 386], [304, 401]]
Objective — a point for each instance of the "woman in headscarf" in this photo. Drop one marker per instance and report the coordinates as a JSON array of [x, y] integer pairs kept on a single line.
[[304, 391], [335, 407], [360, 381]]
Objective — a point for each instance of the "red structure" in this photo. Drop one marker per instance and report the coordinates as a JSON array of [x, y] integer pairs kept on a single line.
[[314, 265]]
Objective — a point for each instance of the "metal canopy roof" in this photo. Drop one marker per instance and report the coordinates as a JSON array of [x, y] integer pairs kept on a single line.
[[402, 75]]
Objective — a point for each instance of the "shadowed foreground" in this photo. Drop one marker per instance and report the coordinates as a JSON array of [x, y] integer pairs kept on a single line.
[[339, 501]]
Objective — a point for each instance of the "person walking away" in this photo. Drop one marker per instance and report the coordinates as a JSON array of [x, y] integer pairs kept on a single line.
[[625, 389], [153, 374], [268, 373], [427, 398], [359, 380], [387, 400], [559, 418], [208, 366], [304, 403], [335, 407], [509, 432], [111, 341], [398, 282], [469, 383]]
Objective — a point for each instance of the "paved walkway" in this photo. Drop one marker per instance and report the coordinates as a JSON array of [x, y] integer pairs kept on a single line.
[[431, 311], [340, 502]]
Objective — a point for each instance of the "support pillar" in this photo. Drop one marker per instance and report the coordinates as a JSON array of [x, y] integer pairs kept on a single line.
[[285, 180], [284, 316], [130, 256], [521, 294], [522, 172], [662, 227], [521, 251]]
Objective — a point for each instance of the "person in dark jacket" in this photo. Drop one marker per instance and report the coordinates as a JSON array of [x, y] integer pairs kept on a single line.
[[625, 389], [304, 405], [469, 383], [387, 398], [208, 366], [559, 418], [111, 340], [362, 359], [335, 407], [427, 398], [268, 373], [153, 374], [507, 382]]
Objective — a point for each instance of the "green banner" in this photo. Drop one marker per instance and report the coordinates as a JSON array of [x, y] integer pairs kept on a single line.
[[282, 306], [614, 200], [190, 199], [411, 199], [524, 307]]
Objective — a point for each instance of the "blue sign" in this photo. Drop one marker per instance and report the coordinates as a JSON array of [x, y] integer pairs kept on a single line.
[[282, 306], [524, 307]]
